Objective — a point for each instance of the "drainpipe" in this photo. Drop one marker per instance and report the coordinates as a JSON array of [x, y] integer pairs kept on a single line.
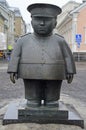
[[74, 30]]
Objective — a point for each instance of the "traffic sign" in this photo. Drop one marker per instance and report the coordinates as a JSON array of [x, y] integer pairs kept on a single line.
[[78, 39]]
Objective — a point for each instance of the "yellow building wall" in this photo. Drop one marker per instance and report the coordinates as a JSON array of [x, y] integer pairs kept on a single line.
[[1, 25], [17, 26]]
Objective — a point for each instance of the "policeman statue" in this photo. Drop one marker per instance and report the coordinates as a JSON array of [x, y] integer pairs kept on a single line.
[[42, 59]]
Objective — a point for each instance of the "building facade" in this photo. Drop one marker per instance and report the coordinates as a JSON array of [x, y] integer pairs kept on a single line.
[[72, 25], [79, 26], [11, 23], [19, 24], [65, 22], [6, 26]]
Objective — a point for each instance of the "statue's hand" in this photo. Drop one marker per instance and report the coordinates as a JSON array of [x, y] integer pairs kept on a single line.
[[13, 77], [69, 78]]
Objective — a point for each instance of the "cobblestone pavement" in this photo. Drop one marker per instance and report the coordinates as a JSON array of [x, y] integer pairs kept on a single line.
[[74, 93], [77, 89]]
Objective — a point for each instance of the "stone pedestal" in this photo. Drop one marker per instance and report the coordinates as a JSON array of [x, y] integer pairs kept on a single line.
[[64, 114]]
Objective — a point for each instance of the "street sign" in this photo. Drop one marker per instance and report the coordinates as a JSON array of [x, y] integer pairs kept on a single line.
[[78, 39]]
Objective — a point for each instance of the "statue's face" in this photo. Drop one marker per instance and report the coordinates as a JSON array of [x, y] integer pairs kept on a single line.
[[43, 25]]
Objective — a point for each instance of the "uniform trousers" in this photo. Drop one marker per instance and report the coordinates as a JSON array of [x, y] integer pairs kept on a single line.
[[38, 90]]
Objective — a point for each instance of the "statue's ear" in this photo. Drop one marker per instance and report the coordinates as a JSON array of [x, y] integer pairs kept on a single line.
[[55, 23], [31, 22]]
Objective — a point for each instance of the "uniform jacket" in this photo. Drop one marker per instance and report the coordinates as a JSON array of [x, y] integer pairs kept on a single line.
[[47, 58]]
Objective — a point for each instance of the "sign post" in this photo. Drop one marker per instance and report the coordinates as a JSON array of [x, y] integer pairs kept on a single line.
[[78, 40]]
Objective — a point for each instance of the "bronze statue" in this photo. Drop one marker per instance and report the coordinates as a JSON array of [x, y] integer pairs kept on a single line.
[[42, 59]]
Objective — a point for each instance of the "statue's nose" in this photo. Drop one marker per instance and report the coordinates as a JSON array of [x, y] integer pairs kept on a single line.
[[42, 23]]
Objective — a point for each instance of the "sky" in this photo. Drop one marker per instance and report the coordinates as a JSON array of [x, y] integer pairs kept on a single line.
[[22, 5]]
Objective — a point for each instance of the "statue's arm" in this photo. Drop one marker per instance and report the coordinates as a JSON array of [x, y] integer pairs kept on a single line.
[[13, 77], [14, 61], [69, 77], [69, 61]]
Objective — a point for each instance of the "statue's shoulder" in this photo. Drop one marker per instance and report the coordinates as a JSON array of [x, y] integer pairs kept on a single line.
[[24, 35], [59, 35]]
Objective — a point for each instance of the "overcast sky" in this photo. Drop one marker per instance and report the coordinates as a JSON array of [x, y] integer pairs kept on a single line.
[[22, 5]]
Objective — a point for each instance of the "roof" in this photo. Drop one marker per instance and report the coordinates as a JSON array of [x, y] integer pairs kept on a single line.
[[16, 11], [4, 3], [71, 2], [78, 8]]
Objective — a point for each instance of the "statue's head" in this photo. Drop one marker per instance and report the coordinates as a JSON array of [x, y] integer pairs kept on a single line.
[[44, 18]]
